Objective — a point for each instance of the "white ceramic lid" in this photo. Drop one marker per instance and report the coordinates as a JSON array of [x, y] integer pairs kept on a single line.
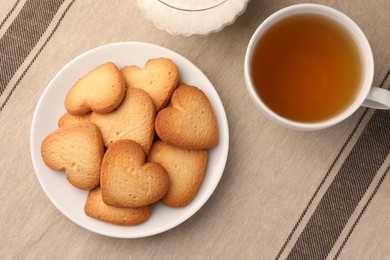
[[188, 17]]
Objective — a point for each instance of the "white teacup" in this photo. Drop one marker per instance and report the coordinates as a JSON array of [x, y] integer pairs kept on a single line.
[[367, 95]]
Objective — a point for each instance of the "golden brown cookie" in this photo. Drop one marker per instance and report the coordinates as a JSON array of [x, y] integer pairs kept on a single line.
[[133, 119], [67, 119], [127, 181], [100, 90], [96, 208], [77, 148], [189, 121], [158, 78], [185, 169]]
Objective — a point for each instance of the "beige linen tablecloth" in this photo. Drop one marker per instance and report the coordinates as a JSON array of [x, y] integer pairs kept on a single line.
[[283, 194]]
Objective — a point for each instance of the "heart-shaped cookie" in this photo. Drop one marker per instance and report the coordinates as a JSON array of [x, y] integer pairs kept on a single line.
[[158, 78], [96, 208], [189, 122], [133, 119], [77, 148], [185, 169], [127, 181], [100, 90], [67, 119]]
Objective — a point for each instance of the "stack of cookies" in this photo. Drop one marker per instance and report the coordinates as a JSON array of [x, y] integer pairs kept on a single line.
[[132, 137]]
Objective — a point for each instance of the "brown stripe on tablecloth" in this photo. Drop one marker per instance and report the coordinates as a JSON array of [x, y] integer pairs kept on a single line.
[[327, 174], [321, 184], [36, 55], [362, 212], [9, 14], [23, 34], [346, 190]]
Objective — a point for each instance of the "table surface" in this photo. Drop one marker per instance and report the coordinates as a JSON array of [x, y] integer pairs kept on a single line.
[[283, 194]]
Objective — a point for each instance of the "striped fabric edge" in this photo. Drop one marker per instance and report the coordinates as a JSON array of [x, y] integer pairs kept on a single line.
[[356, 221], [46, 29], [9, 14]]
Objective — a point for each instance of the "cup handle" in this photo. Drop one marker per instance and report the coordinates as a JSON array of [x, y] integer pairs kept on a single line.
[[377, 98]]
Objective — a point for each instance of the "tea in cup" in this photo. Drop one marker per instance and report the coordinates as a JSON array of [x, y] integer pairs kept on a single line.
[[309, 67]]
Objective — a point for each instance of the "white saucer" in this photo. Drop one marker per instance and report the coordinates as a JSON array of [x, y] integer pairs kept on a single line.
[[69, 200]]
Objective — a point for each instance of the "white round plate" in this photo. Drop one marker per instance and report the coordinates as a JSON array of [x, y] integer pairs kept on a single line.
[[69, 200]]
